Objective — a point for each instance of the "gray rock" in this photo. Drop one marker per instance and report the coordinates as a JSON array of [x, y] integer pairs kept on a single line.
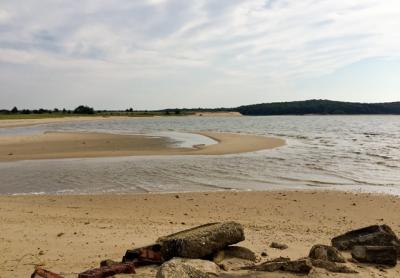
[[376, 235], [278, 245], [302, 266], [326, 253], [201, 241], [385, 255], [230, 264], [188, 268], [235, 252], [332, 266]]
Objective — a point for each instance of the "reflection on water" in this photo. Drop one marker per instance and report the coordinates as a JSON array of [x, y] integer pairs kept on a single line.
[[341, 152]]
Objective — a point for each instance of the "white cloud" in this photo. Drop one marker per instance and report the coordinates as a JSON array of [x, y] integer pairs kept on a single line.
[[248, 42]]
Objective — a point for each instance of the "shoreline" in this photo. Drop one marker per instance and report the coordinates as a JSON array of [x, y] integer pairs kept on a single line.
[[104, 226], [12, 123], [58, 145]]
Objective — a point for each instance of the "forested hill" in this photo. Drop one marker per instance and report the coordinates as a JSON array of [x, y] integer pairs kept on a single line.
[[323, 107]]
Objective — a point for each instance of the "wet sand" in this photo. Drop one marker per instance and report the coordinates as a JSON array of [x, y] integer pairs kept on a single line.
[[68, 234], [29, 122], [76, 145]]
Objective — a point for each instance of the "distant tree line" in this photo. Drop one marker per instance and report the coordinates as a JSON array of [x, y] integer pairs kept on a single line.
[[82, 109], [322, 107]]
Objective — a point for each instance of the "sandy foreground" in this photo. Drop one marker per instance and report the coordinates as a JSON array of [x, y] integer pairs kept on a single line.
[[68, 234], [70, 145]]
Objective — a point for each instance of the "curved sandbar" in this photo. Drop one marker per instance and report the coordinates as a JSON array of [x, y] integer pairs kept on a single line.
[[78, 145], [30, 122]]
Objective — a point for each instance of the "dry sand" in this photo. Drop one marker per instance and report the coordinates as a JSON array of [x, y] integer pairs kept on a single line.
[[218, 114], [30, 122], [69, 234], [69, 145]]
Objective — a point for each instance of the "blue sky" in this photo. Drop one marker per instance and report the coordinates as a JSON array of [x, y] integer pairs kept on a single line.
[[150, 54]]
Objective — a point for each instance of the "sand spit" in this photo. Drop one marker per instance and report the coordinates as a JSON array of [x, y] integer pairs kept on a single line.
[[76, 145], [68, 234], [218, 114], [30, 122]]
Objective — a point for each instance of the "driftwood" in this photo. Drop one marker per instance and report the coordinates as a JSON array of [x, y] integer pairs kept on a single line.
[[201, 241], [302, 266], [107, 271], [150, 254], [385, 255], [332, 266], [43, 273], [376, 235]]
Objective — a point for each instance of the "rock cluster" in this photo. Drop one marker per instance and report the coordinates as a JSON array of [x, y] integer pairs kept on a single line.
[[208, 251]]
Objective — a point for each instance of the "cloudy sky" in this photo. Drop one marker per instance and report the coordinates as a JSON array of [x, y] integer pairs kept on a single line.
[[150, 54]]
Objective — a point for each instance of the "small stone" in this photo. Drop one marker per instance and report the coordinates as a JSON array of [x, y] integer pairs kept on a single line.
[[235, 252], [60, 234], [264, 254], [108, 263], [326, 253], [278, 245]]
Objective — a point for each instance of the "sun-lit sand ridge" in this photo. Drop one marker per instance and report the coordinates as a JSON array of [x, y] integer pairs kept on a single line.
[[69, 145]]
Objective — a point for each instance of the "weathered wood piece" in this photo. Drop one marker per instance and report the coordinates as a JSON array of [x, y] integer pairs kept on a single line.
[[150, 254], [332, 266], [326, 253], [385, 255], [201, 241], [107, 271], [302, 266], [376, 235], [43, 273]]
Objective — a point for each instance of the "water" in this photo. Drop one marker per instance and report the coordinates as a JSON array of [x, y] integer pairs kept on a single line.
[[359, 153]]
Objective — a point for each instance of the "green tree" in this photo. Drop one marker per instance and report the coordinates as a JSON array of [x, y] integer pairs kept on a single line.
[[82, 109]]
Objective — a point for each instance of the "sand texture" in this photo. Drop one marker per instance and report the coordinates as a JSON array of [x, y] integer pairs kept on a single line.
[[76, 145], [68, 234], [30, 122]]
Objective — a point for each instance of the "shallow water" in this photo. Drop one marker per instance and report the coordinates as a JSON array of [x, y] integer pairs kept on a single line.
[[324, 152]]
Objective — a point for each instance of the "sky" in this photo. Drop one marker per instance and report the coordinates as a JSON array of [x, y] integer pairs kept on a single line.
[[153, 54]]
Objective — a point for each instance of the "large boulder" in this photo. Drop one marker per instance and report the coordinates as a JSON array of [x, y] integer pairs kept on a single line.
[[188, 268], [201, 241], [376, 235], [326, 253], [385, 255]]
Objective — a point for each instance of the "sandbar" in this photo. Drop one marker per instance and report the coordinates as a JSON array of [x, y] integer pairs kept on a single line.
[[29, 122], [68, 234], [81, 144]]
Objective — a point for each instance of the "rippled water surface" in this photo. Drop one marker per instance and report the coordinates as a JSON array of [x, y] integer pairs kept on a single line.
[[334, 152]]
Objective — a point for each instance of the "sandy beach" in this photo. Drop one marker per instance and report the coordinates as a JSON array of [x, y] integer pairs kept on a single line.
[[77, 145], [30, 122], [68, 234]]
